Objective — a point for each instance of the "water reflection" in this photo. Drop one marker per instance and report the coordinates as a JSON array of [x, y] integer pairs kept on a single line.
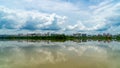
[[69, 54]]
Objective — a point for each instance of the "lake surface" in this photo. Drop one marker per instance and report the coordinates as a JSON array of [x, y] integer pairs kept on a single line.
[[69, 54]]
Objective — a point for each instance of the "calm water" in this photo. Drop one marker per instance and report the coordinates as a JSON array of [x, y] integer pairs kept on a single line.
[[42, 54]]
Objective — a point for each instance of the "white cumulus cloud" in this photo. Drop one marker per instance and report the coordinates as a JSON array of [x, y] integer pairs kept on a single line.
[[103, 17], [29, 20]]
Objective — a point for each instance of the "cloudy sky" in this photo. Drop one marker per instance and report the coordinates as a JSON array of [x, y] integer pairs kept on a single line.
[[62, 16]]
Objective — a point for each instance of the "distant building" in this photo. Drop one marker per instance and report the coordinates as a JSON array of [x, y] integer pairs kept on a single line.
[[77, 34], [84, 35], [21, 34], [99, 35], [104, 34]]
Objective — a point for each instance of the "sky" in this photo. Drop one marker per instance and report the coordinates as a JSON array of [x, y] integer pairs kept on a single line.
[[59, 16]]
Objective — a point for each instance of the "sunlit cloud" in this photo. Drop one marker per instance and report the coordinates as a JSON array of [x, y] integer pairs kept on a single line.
[[30, 20], [60, 15]]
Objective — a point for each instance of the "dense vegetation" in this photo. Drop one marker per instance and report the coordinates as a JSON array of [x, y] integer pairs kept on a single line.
[[62, 37]]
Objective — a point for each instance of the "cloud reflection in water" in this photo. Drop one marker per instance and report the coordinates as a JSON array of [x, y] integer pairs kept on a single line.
[[40, 54]]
